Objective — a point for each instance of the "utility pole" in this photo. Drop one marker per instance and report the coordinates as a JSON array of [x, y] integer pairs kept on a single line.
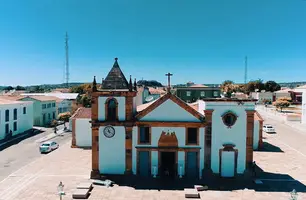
[[67, 60], [246, 70]]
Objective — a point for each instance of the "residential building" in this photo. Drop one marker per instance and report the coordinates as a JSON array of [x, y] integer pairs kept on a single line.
[[273, 96], [167, 134], [44, 108], [197, 91], [261, 97], [64, 101], [16, 117], [80, 124]]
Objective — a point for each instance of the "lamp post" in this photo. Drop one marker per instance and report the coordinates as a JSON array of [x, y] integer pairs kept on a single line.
[[60, 189]]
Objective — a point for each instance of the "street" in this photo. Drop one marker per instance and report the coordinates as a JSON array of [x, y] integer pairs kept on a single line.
[[289, 136], [26, 151]]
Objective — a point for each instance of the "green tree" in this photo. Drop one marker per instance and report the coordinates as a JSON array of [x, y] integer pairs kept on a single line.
[[9, 88], [253, 85], [282, 102], [228, 88], [272, 86], [86, 101], [20, 87], [64, 117], [85, 94]]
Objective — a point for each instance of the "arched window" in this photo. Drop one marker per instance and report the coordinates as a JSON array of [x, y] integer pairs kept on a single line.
[[229, 119], [111, 109]]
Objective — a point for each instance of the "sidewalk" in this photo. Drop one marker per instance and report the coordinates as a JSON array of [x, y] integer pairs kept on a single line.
[[51, 136], [281, 117]]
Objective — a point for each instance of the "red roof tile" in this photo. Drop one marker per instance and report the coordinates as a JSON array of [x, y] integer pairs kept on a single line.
[[82, 113]]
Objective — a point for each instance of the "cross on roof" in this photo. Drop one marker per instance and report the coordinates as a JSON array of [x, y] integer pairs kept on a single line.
[[169, 74]]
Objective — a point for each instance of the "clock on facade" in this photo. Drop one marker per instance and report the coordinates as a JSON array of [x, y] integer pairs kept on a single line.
[[109, 131]]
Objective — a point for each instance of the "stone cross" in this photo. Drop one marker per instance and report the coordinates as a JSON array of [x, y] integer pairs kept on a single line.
[[169, 74]]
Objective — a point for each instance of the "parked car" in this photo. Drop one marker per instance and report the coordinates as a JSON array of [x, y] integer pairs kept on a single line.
[[47, 147], [268, 128]]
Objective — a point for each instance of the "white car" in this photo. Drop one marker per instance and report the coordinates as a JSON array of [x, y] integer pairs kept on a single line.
[[47, 147], [268, 128]]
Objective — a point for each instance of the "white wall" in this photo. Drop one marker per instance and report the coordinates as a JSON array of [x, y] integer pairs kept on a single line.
[[112, 151], [83, 133], [134, 105], [134, 152], [282, 94], [64, 106], [24, 121], [169, 111], [180, 134], [121, 108], [235, 135], [139, 99], [202, 145], [260, 96], [304, 107], [256, 134]]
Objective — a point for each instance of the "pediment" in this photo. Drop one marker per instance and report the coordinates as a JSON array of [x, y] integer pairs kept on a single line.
[[170, 108]]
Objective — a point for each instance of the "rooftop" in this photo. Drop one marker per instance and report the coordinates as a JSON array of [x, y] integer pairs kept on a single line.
[[198, 86], [115, 78], [6, 101], [83, 113], [70, 96], [144, 106], [39, 98], [157, 90]]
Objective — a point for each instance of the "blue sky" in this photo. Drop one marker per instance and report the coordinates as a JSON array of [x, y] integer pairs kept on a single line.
[[204, 41]]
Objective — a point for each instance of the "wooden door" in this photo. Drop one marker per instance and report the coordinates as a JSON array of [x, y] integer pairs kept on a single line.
[[228, 164], [144, 163], [191, 165]]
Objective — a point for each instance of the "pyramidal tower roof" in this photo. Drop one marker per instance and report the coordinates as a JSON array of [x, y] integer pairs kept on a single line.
[[115, 78]]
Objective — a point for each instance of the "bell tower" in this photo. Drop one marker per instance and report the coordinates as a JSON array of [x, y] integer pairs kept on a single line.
[[113, 111]]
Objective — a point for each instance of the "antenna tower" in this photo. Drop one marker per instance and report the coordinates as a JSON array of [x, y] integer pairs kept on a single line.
[[67, 61], [246, 70]]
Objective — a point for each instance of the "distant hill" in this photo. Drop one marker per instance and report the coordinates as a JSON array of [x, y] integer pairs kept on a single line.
[[45, 87], [149, 83], [292, 84]]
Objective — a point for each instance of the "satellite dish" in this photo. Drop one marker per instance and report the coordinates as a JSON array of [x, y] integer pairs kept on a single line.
[[149, 98]]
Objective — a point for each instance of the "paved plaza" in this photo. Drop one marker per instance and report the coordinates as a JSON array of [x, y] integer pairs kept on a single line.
[[281, 168]]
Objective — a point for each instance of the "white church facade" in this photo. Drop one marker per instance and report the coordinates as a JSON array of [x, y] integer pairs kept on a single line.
[[168, 137]]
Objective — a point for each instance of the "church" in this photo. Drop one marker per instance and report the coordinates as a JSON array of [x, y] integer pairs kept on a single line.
[[166, 137]]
